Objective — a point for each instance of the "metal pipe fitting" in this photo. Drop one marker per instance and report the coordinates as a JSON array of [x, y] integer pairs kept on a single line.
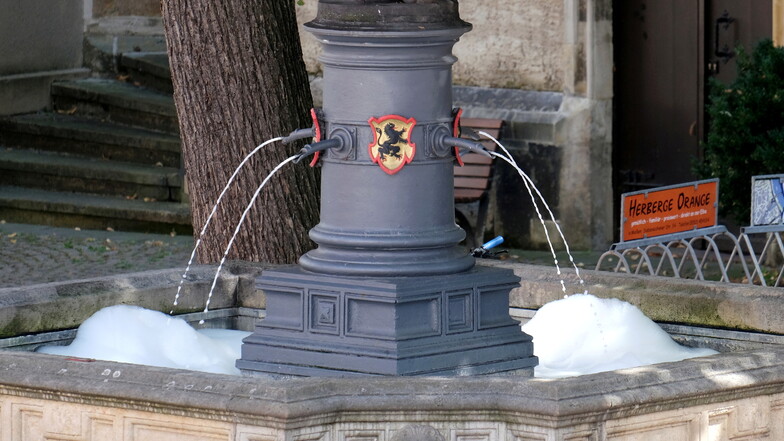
[[299, 134], [326, 144], [466, 144]]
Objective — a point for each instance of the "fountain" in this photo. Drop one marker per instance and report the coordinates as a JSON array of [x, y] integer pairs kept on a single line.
[[388, 291], [403, 282]]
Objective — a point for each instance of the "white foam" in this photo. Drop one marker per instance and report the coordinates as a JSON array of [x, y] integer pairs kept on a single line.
[[579, 335], [583, 334], [131, 334]]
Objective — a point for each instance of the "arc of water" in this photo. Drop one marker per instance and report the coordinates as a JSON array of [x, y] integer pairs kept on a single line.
[[212, 213], [239, 226], [528, 184], [538, 213]]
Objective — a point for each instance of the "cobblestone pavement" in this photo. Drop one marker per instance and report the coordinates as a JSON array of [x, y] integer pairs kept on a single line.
[[31, 254]]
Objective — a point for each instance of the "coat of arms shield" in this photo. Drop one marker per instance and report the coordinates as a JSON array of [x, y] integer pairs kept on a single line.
[[392, 148]]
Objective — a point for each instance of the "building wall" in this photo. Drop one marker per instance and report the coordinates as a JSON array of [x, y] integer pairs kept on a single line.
[[108, 8], [778, 22], [514, 45], [40, 35], [40, 41]]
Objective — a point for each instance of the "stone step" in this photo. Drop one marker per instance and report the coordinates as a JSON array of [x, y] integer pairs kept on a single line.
[[84, 136], [61, 172], [103, 48], [87, 211], [116, 101], [150, 69]]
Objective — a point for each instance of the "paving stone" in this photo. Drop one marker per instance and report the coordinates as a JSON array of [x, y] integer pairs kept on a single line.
[[32, 254]]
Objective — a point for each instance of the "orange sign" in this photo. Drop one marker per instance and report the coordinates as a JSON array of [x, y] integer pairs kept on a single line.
[[668, 210]]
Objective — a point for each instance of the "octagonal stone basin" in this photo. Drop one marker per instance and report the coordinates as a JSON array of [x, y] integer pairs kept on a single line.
[[736, 394]]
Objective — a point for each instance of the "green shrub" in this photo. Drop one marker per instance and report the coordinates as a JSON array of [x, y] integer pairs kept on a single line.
[[745, 128]]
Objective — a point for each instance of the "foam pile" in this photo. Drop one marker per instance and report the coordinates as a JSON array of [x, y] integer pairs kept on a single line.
[[578, 335], [131, 334], [583, 334]]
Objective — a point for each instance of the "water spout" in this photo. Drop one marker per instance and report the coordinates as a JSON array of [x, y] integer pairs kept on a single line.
[[299, 134], [332, 143], [465, 145]]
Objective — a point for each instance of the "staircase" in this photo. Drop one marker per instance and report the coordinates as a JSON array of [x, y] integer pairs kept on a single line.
[[107, 156]]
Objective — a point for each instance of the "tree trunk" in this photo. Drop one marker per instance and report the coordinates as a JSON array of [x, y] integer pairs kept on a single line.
[[239, 80]]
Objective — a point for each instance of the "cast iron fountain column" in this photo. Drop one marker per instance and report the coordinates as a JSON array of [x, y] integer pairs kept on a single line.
[[388, 291]]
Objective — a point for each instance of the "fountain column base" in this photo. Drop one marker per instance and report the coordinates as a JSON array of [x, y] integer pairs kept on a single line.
[[323, 325]]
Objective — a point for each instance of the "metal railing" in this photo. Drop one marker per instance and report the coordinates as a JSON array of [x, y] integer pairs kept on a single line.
[[697, 255]]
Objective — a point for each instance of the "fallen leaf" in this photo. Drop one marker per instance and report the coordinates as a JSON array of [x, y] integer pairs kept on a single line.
[[12, 235], [13, 240], [77, 229], [109, 229], [70, 111]]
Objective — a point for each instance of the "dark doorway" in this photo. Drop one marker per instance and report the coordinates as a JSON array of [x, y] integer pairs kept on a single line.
[[664, 52], [658, 91]]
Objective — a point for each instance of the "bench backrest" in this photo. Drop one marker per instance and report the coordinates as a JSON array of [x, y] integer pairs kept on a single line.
[[473, 179]]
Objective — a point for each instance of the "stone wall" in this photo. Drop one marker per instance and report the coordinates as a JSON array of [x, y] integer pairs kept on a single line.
[[717, 398], [109, 8], [40, 41], [514, 44], [38, 35]]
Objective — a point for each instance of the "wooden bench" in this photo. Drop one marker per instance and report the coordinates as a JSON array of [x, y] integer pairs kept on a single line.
[[473, 181]]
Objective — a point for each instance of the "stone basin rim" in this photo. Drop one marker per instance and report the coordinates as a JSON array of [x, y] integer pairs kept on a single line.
[[250, 399]]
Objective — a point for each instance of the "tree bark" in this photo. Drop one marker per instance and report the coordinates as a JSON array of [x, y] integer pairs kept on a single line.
[[239, 80]]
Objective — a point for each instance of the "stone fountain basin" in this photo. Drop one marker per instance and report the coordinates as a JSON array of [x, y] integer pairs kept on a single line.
[[722, 397]]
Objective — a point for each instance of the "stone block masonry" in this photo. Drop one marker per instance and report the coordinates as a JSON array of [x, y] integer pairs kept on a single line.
[[721, 398], [40, 42]]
